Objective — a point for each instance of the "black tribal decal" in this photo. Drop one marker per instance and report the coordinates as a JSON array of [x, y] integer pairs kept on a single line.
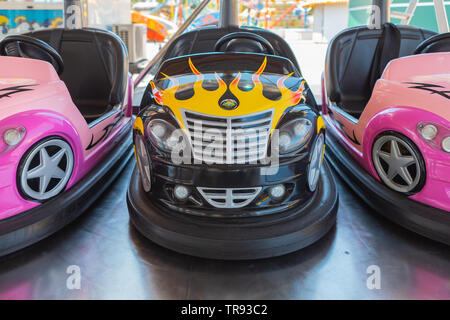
[[433, 88], [352, 139], [106, 131], [16, 89]]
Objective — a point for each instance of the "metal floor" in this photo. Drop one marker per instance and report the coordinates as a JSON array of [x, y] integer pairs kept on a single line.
[[118, 263]]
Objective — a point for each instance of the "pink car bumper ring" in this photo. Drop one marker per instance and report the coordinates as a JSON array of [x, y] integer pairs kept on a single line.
[[63, 138], [389, 136]]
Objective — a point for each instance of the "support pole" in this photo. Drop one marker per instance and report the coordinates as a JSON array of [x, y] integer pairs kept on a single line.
[[384, 11], [229, 13], [74, 15], [158, 56], [441, 16]]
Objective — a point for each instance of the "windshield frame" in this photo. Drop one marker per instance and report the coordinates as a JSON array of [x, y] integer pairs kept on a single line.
[[181, 63]]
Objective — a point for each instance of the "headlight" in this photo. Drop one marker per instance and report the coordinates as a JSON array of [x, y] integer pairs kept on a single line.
[[161, 134], [435, 135], [12, 137], [294, 134], [428, 131], [446, 144]]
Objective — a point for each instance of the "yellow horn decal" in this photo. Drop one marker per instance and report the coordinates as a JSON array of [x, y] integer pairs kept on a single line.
[[193, 68], [207, 101], [204, 101], [320, 124], [256, 98], [139, 125]]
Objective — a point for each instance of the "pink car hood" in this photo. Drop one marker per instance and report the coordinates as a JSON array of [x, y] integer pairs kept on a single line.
[[427, 76], [22, 81]]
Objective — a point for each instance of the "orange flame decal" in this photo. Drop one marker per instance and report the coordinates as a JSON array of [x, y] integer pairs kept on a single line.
[[288, 97], [207, 101], [158, 95], [193, 68]]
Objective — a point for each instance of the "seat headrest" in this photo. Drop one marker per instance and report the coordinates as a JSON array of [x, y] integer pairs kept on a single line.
[[244, 45], [357, 56]]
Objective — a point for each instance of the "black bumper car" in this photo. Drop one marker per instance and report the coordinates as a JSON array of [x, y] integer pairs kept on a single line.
[[229, 146]]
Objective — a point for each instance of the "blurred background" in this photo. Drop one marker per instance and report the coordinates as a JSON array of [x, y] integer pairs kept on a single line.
[[145, 26]]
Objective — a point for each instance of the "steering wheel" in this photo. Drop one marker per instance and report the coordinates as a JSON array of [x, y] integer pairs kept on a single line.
[[244, 35], [437, 43], [28, 47]]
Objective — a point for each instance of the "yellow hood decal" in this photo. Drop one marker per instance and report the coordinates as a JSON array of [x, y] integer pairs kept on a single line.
[[207, 101]]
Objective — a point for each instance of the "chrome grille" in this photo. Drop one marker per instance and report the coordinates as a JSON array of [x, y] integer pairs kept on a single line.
[[229, 198], [228, 140]]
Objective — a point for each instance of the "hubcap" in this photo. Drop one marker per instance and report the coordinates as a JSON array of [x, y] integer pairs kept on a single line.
[[316, 163], [396, 163], [47, 169]]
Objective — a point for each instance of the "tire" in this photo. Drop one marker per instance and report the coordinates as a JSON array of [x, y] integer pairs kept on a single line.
[[45, 169], [399, 163]]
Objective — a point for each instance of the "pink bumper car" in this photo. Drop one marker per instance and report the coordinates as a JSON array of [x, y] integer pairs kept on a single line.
[[387, 108], [65, 129]]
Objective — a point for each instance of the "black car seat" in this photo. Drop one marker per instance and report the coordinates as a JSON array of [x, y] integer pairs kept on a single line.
[[95, 67], [203, 40], [437, 43], [356, 58]]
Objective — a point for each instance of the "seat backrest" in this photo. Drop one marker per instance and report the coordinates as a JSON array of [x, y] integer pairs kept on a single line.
[[95, 66], [354, 55], [436, 43], [203, 40]]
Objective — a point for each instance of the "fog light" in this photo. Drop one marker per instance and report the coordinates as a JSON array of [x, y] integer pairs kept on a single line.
[[12, 137], [277, 192], [446, 144], [181, 192], [429, 132]]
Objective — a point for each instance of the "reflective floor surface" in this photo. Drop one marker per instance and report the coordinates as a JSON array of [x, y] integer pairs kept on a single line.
[[116, 262]]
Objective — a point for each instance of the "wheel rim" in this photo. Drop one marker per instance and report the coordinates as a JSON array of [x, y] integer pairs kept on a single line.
[[316, 163], [396, 163], [47, 169]]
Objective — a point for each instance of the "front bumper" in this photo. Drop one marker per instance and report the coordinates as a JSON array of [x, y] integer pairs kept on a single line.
[[291, 173], [236, 238]]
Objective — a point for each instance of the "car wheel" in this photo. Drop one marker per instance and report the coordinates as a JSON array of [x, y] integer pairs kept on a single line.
[[143, 163], [399, 163], [45, 169], [316, 162]]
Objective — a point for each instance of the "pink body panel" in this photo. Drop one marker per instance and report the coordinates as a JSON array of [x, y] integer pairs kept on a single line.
[[396, 106], [47, 110]]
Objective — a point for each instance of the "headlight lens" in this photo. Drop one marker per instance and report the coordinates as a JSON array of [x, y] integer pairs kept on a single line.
[[435, 134], [429, 131], [446, 144], [162, 134], [12, 137], [294, 135]]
